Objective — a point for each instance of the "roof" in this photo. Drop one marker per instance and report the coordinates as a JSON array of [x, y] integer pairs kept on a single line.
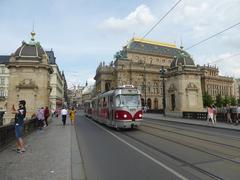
[[28, 50], [52, 58], [152, 47], [182, 58], [4, 59]]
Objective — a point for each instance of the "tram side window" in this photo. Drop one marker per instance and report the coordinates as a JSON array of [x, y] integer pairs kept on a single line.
[[118, 102], [104, 102]]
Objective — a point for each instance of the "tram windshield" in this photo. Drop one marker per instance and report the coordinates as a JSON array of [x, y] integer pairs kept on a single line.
[[128, 100]]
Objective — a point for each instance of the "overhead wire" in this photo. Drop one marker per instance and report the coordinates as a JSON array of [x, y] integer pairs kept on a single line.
[[165, 15], [212, 36], [221, 59]]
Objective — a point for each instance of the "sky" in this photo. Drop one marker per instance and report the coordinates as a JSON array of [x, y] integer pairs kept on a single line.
[[83, 33]]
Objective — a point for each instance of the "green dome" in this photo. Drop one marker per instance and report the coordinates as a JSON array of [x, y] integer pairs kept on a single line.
[[182, 58]]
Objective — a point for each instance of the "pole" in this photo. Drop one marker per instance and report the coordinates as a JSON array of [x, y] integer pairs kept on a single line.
[[162, 72], [145, 87]]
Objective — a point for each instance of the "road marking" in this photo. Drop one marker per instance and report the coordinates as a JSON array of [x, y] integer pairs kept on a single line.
[[143, 153]]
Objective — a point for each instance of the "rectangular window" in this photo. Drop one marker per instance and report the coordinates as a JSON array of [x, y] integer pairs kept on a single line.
[[2, 80], [1, 93]]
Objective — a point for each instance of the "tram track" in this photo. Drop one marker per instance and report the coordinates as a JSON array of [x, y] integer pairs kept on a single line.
[[180, 160], [192, 147], [191, 130], [194, 137]]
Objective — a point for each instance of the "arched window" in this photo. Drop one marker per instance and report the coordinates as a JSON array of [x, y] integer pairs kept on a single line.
[[149, 103]]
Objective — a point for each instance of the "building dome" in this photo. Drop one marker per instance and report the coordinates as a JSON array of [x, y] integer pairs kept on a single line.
[[31, 50], [87, 90], [182, 58]]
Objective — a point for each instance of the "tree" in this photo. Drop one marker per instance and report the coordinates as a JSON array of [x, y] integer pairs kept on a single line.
[[233, 101], [207, 99], [219, 101], [226, 100]]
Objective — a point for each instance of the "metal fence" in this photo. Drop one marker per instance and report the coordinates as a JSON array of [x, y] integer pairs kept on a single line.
[[7, 132], [195, 115], [221, 117]]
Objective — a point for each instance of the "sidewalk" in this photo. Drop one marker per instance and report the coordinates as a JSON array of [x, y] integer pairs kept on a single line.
[[160, 117], [50, 155]]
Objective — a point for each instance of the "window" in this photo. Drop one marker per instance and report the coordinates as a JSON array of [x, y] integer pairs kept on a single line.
[[1, 93], [2, 80]]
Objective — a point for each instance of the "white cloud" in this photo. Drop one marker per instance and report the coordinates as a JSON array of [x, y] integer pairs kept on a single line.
[[141, 16]]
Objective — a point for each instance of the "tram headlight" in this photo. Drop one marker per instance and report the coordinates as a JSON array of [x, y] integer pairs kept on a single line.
[[125, 116], [140, 115]]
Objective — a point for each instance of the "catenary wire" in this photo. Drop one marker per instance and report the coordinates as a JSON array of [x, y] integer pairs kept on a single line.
[[212, 36], [221, 59], [155, 25]]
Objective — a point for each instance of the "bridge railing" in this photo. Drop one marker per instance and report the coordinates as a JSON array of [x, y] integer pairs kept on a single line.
[[7, 132], [221, 117]]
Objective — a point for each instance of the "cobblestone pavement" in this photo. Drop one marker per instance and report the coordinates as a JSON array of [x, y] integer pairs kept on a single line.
[[47, 156]]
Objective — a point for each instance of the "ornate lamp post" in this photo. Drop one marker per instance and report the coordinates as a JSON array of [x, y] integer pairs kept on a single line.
[[162, 75], [145, 87]]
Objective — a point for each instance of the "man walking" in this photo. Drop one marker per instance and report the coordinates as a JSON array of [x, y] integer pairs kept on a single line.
[[20, 115], [64, 113]]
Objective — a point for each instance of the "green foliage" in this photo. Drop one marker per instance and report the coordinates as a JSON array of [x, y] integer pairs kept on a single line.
[[226, 100], [219, 100], [207, 100], [233, 101]]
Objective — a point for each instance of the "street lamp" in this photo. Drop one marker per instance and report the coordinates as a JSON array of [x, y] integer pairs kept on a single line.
[[162, 75], [145, 87]]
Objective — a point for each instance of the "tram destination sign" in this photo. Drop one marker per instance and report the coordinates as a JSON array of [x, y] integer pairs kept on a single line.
[[129, 91]]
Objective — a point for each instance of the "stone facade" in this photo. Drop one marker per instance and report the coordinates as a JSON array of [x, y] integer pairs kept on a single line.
[[139, 63], [214, 84], [29, 78], [56, 83]]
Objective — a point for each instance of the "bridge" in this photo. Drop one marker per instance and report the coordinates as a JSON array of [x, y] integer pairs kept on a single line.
[[162, 148]]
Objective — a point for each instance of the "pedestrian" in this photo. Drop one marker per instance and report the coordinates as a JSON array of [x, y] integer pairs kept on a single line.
[[64, 113], [238, 114], [229, 119], [46, 115], [214, 113], [210, 114], [72, 114], [40, 118], [20, 115]]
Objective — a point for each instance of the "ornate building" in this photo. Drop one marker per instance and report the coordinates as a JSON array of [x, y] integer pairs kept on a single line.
[[183, 86], [214, 84], [75, 96], [29, 77], [4, 77], [56, 83], [139, 63]]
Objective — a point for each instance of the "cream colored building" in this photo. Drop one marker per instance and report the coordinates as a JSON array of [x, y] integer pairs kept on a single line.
[[139, 63], [56, 83], [214, 84], [29, 78], [4, 77], [75, 96]]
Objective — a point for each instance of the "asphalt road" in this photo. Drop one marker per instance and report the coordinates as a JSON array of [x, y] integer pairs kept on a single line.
[[158, 150]]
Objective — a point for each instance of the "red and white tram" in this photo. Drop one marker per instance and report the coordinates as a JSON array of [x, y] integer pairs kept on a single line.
[[119, 108], [88, 108]]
